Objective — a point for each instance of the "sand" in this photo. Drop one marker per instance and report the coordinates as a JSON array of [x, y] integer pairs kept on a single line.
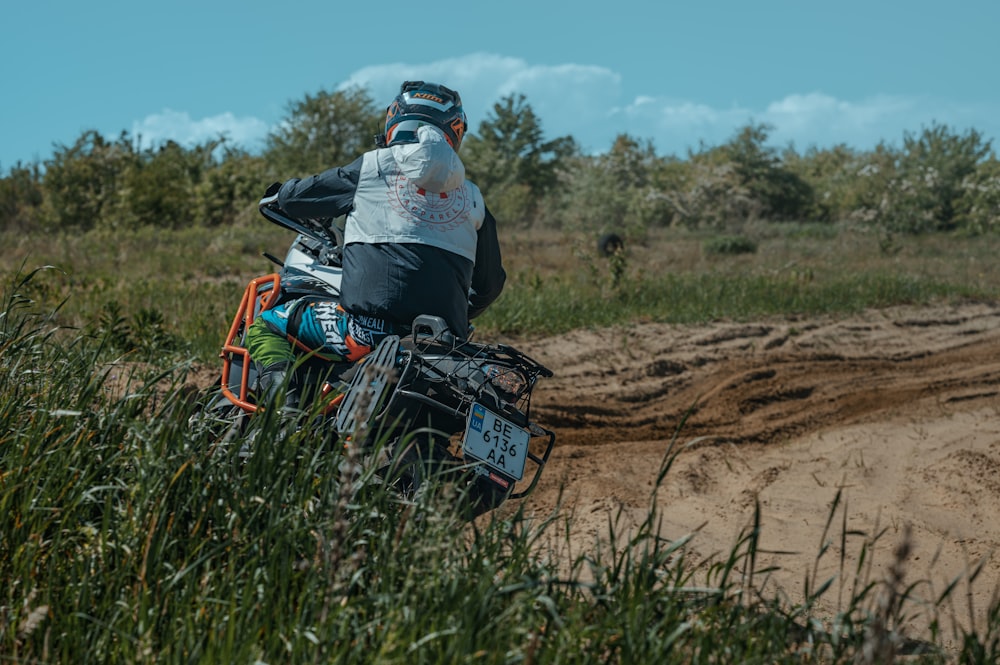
[[887, 421]]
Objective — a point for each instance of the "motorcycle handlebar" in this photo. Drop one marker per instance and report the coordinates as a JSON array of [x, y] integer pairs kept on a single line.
[[310, 228]]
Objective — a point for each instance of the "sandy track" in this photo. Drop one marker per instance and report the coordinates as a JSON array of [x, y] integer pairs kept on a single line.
[[899, 410]]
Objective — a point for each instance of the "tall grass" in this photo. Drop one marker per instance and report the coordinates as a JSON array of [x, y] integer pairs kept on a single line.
[[189, 279], [130, 533]]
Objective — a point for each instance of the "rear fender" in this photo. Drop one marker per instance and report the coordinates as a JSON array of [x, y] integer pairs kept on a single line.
[[374, 378]]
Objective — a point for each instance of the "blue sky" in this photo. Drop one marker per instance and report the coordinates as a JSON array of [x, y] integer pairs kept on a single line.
[[676, 73]]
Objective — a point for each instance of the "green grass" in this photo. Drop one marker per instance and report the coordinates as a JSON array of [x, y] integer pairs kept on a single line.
[[129, 534], [192, 278], [177, 290], [558, 306]]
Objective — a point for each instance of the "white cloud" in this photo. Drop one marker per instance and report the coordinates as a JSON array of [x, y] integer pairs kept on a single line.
[[817, 118], [588, 102], [246, 132], [803, 120], [568, 98], [675, 125]]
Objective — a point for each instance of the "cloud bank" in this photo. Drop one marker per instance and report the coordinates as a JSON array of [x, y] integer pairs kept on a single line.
[[179, 126], [588, 102]]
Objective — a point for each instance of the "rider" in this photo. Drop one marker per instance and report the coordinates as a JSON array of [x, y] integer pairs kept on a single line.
[[418, 239]]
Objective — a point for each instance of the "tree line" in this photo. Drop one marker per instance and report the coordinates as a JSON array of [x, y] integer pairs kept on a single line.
[[939, 179]]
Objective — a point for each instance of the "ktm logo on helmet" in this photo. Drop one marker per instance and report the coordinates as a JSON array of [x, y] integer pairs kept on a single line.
[[429, 96]]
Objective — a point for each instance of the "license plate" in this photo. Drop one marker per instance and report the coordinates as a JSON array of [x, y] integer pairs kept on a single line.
[[495, 441]]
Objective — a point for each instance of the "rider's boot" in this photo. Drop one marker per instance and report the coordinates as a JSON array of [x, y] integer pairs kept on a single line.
[[277, 388], [277, 380]]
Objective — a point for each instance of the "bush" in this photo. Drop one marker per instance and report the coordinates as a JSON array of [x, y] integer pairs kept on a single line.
[[83, 181], [230, 191], [928, 185], [726, 186], [980, 200], [21, 197], [729, 245], [832, 175]]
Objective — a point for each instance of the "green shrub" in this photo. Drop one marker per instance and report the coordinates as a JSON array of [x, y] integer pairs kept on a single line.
[[729, 245], [928, 185], [980, 200], [21, 197]]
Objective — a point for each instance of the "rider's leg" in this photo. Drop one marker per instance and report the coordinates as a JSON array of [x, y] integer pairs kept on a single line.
[[333, 336], [275, 361]]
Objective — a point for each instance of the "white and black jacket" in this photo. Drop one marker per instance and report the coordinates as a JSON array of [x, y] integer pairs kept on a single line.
[[418, 237]]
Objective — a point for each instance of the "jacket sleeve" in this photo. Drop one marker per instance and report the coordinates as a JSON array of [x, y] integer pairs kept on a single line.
[[488, 275], [329, 194]]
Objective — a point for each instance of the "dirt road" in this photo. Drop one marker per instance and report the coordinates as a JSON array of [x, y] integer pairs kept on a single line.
[[897, 409]]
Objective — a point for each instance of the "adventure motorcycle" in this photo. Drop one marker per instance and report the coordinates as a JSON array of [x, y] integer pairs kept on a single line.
[[428, 401]]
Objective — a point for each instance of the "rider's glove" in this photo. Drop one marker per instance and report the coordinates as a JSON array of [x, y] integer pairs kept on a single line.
[[271, 194]]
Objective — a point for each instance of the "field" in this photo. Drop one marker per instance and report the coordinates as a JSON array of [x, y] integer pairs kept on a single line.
[[743, 426]]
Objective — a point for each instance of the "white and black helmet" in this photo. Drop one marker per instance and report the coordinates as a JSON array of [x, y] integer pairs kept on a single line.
[[422, 103]]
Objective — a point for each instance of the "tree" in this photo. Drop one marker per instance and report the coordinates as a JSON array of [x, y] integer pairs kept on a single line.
[[82, 180], [324, 130], [782, 194], [740, 180], [21, 197], [938, 181], [981, 198], [158, 188], [932, 170], [232, 188], [510, 159], [616, 191], [832, 173]]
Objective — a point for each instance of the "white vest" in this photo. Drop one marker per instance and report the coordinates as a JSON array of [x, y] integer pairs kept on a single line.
[[416, 193]]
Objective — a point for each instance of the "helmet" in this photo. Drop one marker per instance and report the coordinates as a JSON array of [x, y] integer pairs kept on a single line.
[[420, 103]]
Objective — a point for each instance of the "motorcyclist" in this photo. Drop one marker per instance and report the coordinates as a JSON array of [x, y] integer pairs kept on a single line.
[[418, 239]]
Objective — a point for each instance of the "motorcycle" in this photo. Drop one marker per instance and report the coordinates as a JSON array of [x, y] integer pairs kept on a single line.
[[422, 404]]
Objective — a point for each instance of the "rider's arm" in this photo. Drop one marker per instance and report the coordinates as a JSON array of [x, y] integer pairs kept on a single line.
[[329, 194], [488, 276]]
